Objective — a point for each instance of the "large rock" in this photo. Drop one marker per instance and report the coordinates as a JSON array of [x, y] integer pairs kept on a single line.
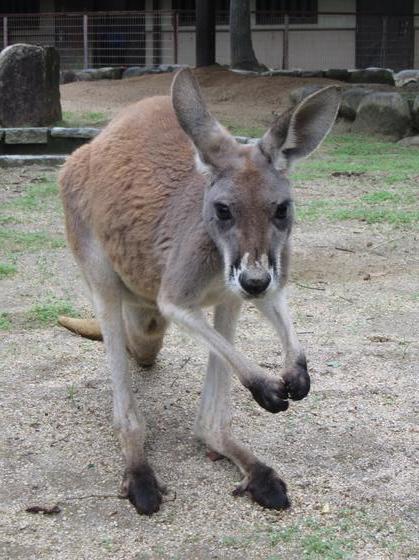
[[135, 71], [409, 142], [351, 98], [405, 77], [372, 76], [297, 95], [415, 112], [29, 86], [383, 113]]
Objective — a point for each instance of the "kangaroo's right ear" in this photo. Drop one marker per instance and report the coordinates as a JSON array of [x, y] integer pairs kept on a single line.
[[214, 144]]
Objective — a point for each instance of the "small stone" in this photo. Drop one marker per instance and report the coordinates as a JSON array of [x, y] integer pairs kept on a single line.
[[325, 509], [367, 276]]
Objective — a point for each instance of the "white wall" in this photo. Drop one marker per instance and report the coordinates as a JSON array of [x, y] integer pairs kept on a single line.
[[416, 24]]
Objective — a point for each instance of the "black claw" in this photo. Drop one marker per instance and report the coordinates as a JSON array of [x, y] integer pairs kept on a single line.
[[265, 488], [143, 490], [297, 380], [269, 397]]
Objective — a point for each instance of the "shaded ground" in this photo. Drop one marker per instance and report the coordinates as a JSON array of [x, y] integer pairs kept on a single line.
[[347, 452]]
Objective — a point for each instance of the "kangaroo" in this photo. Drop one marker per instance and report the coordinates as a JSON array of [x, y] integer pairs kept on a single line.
[[167, 214]]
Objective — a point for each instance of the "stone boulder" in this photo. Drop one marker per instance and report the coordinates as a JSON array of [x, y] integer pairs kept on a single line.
[[29, 86], [297, 95], [415, 113], [405, 77], [383, 113], [372, 76], [351, 98], [134, 72], [409, 142]]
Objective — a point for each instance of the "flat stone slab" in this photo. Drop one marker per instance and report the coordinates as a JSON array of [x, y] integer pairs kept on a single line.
[[26, 135], [17, 161], [85, 132]]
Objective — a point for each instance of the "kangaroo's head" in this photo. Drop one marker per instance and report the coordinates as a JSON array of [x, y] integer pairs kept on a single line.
[[248, 207]]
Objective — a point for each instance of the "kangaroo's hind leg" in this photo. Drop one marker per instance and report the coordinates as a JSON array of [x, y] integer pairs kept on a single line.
[[144, 328]]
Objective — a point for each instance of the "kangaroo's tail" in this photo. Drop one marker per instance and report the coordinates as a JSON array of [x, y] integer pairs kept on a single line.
[[87, 328]]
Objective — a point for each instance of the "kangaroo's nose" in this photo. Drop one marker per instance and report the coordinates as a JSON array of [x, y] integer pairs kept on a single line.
[[255, 285]]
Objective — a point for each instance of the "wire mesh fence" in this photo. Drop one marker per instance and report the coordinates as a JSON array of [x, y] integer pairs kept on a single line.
[[306, 40]]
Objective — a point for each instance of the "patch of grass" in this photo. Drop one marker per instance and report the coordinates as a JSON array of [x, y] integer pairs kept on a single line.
[[47, 313], [371, 213], [249, 131], [89, 118], [7, 269], [5, 322], [71, 393], [352, 153], [5, 220], [285, 535], [12, 240], [321, 544], [35, 197]]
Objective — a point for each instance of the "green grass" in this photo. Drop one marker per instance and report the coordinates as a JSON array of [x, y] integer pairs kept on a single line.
[[341, 209], [90, 118], [380, 164], [352, 153], [5, 322], [7, 269], [5, 220], [13, 241], [47, 313], [249, 131], [35, 197]]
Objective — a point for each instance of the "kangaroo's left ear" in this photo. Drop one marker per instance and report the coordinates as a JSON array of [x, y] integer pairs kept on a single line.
[[299, 131]]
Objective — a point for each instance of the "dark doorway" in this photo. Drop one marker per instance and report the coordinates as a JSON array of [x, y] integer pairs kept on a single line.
[[384, 34]]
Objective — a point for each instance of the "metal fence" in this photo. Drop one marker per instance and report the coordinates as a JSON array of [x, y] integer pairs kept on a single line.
[[281, 40]]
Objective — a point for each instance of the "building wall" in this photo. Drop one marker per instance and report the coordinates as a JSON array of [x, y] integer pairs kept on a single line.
[[329, 43]]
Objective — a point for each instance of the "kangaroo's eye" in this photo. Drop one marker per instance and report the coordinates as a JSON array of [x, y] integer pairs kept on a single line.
[[281, 211], [223, 212]]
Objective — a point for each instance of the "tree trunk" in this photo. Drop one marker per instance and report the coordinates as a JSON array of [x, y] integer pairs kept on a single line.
[[205, 33], [241, 48]]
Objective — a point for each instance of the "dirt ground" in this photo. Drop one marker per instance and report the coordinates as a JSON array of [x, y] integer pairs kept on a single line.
[[233, 98], [347, 452]]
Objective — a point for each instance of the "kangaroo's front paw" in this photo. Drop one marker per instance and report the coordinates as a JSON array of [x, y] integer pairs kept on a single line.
[[140, 486], [269, 392], [297, 380], [265, 487]]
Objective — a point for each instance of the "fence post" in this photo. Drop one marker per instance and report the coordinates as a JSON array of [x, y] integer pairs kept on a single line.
[[384, 41], [285, 43], [5, 38], [85, 42], [175, 23]]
